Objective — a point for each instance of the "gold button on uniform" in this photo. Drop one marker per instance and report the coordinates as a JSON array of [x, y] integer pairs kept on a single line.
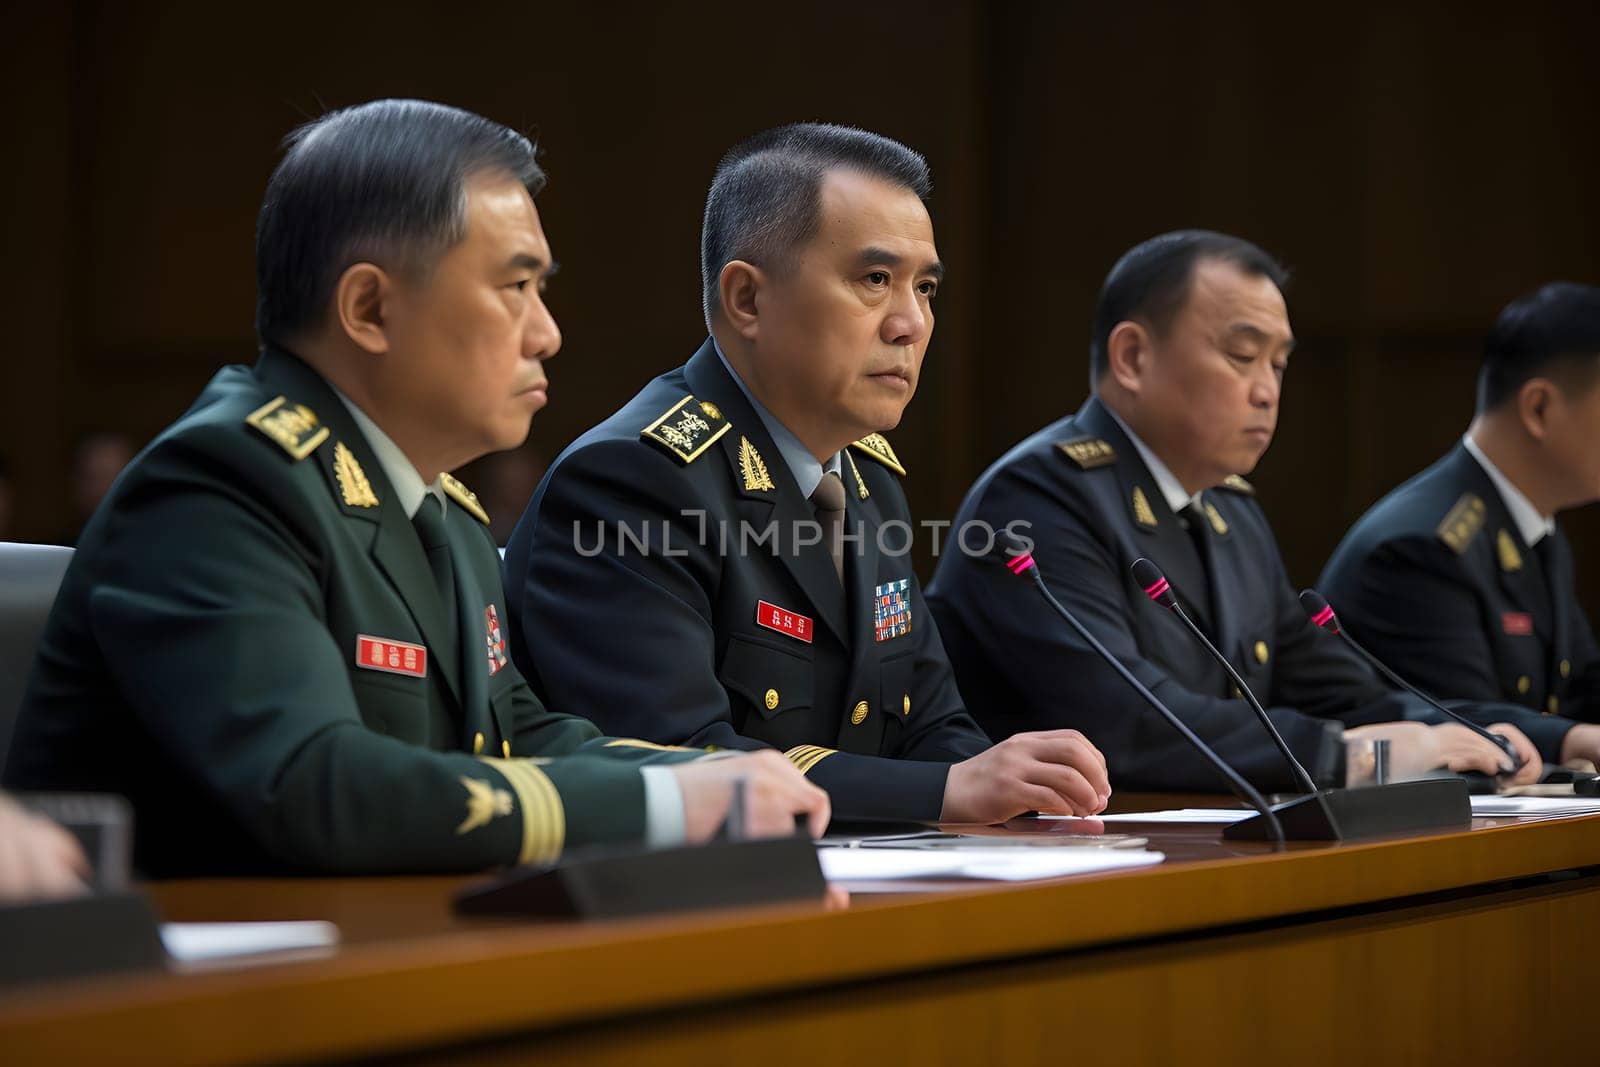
[[905, 705], [1261, 652], [859, 716], [1524, 684], [1566, 668], [1552, 706], [477, 744], [772, 699], [505, 749]]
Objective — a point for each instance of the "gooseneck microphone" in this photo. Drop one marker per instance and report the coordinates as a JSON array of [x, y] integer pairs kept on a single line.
[[1158, 589], [1019, 561], [1322, 614]]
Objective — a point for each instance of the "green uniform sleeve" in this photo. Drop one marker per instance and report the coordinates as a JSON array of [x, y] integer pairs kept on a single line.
[[208, 608]]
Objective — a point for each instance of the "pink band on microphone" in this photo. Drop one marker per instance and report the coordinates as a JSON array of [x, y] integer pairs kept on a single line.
[[1020, 564], [1158, 589], [1323, 617]]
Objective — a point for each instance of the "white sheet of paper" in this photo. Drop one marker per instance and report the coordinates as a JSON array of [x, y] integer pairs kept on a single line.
[[989, 864], [1494, 805], [1217, 815], [193, 942]]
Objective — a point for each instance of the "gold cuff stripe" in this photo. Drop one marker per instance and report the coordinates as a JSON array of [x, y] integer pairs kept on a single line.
[[634, 742], [526, 802], [806, 757], [544, 820], [554, 818]]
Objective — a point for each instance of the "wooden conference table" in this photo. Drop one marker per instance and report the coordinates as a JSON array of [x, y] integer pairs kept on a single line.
[[1476, 946]]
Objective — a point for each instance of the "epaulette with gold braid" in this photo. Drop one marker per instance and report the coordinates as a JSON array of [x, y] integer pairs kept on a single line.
[[1088, 452], [292, 427], [687, 429], [465, 497], [1462, 522], [877, 446]]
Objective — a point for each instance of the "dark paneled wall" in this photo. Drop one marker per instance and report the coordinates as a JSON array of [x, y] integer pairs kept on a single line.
[[1417, 166]]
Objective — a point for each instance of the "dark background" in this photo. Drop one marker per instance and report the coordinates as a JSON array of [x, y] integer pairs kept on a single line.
[[1417, 166]]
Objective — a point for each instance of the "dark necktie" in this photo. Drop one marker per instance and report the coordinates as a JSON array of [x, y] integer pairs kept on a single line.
[[1194, 518], [828, 498], [1545, 553], [429, 521]]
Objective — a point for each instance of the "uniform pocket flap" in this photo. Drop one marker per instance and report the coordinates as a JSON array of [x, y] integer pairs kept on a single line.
[[895, 691], [773, 680]]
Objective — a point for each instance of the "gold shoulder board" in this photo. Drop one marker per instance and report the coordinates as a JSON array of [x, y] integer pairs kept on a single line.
[[1462, 523], [465, 497], [877, 446], [1089, 452], [293, 427], [687, 429], [1238, 485]]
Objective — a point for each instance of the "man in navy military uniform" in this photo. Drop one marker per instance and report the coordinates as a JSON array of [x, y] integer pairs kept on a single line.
[[1460, 579], [282, 634], [1190, 342], [723, 562]]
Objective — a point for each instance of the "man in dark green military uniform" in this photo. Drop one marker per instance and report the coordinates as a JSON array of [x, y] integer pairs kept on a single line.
[[283, 633], [724, 561], [1191, 341], [1460, 579]]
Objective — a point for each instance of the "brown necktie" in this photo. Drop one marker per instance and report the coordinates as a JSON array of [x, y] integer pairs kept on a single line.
[[828, 498]]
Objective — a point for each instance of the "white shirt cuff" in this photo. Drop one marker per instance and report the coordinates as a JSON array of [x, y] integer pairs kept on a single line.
[[663, 808]]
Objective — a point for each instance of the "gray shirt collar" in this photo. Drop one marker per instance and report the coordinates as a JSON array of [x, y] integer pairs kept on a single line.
[[797, 458]]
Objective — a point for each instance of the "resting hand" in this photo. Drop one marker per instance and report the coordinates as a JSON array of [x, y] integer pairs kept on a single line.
[[37, 857], [775, 792], [1054, 772]]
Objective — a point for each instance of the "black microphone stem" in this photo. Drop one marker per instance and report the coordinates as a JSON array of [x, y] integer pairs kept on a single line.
[[1300, 772], [1499, 742], [1322, 616], [1241, 787]]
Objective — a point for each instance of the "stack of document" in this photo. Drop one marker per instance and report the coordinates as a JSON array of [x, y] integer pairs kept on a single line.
[[1539, 807], [1214, 815], [862, 870], [201, 942]]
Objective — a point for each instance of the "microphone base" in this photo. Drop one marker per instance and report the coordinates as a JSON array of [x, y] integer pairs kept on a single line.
[[611, 883], [1344, 814]]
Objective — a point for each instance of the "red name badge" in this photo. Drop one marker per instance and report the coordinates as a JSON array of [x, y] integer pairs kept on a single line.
[[1517, 623], [395, 657], [785, 622]]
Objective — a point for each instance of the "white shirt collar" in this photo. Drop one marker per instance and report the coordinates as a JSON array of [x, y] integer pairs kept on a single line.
[[408, 485], [801, 464], [1530, 524], [1172, 490]]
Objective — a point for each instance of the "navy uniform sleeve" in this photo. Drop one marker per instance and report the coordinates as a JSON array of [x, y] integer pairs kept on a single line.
[[1410, 604], [909, 786], [944, 730], [1585, 690]]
